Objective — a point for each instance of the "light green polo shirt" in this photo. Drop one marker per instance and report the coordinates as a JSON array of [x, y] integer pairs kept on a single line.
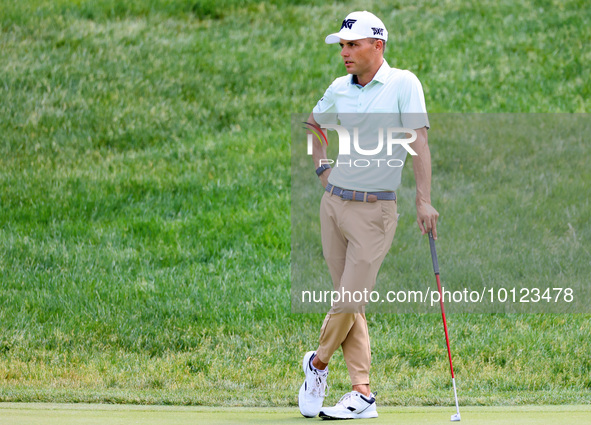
[[393, 99]]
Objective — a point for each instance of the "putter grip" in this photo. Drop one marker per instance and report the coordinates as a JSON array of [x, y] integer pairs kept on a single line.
[[433, 253]]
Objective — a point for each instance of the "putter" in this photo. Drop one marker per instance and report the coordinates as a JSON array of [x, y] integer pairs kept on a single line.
[[455, 417]]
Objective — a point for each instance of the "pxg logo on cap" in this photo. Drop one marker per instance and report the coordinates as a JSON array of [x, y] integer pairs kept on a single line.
[[358, 25], [348, 23]]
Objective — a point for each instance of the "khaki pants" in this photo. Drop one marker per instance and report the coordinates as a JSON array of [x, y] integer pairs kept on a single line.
[[356, 236]]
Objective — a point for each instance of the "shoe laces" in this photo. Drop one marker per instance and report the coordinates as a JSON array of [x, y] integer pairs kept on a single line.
[[320, 385], [344, 399], [348, 396]]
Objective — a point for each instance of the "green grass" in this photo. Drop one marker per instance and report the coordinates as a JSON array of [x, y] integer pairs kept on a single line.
[[145, 200], [100, 414]]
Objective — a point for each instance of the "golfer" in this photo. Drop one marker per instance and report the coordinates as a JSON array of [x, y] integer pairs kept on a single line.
[[358, 209]]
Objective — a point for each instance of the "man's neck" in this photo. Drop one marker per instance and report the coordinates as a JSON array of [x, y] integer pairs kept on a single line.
[[366, 78]]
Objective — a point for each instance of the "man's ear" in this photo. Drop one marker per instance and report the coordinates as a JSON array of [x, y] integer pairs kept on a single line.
[[380, 44]]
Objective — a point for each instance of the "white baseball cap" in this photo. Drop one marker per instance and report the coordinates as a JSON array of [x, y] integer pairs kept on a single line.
[[358, 25]]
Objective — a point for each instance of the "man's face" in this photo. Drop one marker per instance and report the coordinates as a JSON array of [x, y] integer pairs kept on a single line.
[[359, 55]]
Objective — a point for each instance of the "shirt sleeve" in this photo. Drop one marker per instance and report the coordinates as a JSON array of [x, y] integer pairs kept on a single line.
[[325, 111], [412, 103]]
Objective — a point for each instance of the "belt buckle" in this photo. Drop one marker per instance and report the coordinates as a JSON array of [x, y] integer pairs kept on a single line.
[[346, 195]]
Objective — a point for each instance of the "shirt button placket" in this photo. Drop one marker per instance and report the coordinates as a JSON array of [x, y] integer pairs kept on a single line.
[[360, 101]]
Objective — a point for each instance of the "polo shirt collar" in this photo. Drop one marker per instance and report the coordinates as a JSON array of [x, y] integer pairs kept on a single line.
[[380, 76]]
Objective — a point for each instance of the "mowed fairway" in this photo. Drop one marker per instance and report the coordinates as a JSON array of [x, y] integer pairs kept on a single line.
[[48, 414]]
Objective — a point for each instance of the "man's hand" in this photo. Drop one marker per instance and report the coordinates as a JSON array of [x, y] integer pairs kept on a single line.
[[427, 218], [324, 177], [319, 153]]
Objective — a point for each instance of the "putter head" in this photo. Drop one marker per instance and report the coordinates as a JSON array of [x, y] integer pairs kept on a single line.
[[456, 417]]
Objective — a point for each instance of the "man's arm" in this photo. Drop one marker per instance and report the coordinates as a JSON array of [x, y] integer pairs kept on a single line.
[[421, 164], [318, 153]]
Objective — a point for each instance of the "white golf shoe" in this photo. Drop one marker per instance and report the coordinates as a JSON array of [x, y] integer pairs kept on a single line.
[[314, 388], [353, 405]]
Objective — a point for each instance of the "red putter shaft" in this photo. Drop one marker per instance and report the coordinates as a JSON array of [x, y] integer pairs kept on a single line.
[[444, 325]]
